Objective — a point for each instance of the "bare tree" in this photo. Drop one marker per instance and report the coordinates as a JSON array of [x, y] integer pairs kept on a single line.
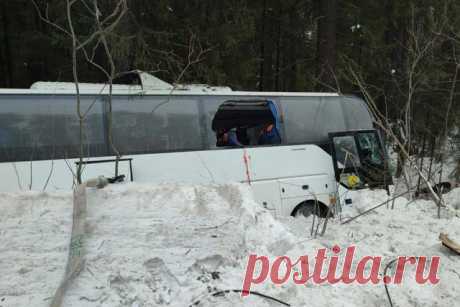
[[195, 54], [427, 36], [87, 45], [103, 28], [384, 123]]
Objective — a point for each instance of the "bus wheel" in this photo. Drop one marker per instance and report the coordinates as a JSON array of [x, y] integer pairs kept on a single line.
[[307, 208], [304, 211]]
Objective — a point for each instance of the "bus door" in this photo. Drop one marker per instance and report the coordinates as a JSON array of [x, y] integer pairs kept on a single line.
[[360, 159]]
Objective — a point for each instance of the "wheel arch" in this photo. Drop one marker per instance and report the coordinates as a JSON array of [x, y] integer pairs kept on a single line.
[[323, 208]]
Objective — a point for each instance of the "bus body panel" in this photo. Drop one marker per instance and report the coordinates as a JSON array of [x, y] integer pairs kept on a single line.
[[267, 193], [267, 169]]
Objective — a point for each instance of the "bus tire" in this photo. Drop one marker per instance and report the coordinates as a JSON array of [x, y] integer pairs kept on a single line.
[[307, 208]]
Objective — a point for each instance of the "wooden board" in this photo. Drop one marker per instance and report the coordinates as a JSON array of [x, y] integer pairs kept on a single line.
[[452, 245]]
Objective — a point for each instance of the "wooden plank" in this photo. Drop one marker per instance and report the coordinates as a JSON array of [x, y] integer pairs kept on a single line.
[[450, 244]]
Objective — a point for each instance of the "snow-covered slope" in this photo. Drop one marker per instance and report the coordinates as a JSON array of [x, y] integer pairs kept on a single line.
[[171, 245]]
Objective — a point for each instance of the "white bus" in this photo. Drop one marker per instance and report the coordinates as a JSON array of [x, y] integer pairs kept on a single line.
[[180, 134]]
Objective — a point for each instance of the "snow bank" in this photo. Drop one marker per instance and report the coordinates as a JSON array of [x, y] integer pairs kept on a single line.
[[34, 235], [453, 198], [171, 245], [146, 245]]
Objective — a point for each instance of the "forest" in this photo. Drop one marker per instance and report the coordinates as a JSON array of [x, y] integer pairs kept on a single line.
[[402, 57]]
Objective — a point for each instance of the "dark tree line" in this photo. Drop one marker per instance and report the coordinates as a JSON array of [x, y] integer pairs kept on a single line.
[[404, 53], [265, 45]]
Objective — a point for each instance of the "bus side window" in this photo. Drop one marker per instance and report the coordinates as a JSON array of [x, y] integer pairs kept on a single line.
[[299, 120], [45, 127], [241, 122], [149, 124]]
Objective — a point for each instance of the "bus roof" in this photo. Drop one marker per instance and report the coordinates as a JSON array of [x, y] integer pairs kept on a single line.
[[161, 92], [151, 85]]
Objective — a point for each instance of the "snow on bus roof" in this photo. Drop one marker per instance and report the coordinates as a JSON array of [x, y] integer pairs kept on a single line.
[[151, 85], [98, 89], [178, 91]]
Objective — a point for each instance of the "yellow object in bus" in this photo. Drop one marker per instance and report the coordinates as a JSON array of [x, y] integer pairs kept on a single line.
[[353, 181]]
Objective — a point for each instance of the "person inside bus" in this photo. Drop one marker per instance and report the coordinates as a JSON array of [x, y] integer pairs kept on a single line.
[[269, 135], [221, 137], [233, 138], [228, 138]]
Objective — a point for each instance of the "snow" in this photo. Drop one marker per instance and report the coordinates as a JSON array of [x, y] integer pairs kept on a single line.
[[453, 198], [171, 245]]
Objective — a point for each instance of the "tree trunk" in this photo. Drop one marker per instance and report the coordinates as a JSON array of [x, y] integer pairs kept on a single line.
[[278, 50], [6, 46], [262, 47], [326, 53], [433, 146], [422, 158]]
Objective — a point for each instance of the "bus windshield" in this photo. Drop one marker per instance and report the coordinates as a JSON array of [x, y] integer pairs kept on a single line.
[[359, 159]]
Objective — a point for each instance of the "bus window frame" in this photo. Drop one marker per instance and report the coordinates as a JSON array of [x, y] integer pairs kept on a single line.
[[354, 133], [219, 100]]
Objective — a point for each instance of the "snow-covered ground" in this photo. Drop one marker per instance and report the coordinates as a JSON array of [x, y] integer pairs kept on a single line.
[[171, 245]]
